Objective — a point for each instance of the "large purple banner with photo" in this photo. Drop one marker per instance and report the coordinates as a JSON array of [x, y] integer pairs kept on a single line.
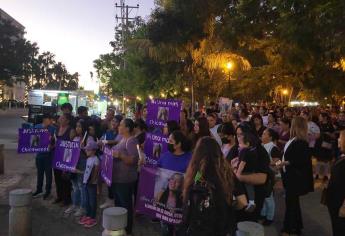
[[107, 165], [159, 111], [33, 140], [66, 155], [155, 145], [160, 194]]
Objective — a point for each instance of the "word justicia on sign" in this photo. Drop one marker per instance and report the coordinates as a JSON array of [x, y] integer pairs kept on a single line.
[[64, 166], [69, 144]]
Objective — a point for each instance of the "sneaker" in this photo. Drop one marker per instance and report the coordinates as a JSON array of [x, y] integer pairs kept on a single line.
[[90, 223], [37, 194], [108, 203], [70, 209], [46, 196], [79, 212], [250, 207], [83, 220]]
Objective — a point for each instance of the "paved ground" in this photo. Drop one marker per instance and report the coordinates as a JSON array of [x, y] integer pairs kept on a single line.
[[49, 219]]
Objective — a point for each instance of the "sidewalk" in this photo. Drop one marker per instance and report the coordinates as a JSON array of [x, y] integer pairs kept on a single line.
[[49, 219]]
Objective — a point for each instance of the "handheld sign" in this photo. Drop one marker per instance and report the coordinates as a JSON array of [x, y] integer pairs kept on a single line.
[[66, 155], [33, 140]]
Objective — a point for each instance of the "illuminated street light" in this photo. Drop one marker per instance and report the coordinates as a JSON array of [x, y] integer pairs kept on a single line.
[[151, 97], [229, 65], [285, 92], [116, 103], [175, 92], [138, 98], [186, 89]]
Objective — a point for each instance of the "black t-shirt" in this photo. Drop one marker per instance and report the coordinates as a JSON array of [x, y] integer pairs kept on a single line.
[[233, 153], [276, 153], [249, 156]]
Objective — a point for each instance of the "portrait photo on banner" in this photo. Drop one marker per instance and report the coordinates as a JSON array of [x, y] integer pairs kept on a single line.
[[163, 113], [167, 182]]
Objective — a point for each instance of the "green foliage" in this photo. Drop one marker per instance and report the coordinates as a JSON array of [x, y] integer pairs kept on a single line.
[[273, 44], [20, 59]]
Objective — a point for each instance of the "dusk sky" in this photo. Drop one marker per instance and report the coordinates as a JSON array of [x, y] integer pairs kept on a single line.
[[76, 31]]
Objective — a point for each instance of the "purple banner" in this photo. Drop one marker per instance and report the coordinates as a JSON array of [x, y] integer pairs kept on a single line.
[[155, 145], [66, 155], [154, 194], [33, 140], [107, 165], [159, 111]]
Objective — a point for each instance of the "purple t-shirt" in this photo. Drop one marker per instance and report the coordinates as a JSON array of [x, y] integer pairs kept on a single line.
[[123, 173], [175, 163]]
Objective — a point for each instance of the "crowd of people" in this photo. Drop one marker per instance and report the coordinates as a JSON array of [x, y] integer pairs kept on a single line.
[[231, 160]]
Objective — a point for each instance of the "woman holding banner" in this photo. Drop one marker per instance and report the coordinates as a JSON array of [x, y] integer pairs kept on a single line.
[[176, 159], [62, 180], [78, 193], [125, 169], [208, 192]]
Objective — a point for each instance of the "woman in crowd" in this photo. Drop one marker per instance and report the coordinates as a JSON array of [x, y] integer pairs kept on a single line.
[[78, 194], [110, 137], [335, 193], [272, 121], [257, 179], [208, 192], [176, 159], [62, 179], [125, 169], [324, 146], [284, 135], [297, 175], [228, 136], [201, 129], [269, 139], [257, 122], [313, 130]]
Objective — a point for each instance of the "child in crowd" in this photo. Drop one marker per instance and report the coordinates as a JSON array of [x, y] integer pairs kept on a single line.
[[90, 179], [248, 161]]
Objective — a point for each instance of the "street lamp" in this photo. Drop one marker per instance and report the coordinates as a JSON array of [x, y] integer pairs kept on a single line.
[[186, 89], [285, 92], [229, 67]]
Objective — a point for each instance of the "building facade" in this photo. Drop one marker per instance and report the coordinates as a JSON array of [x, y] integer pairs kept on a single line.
[[17, 90]]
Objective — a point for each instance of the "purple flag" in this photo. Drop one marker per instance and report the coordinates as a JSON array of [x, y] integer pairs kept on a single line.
[[154, 194], [66, 155], [155, 145], [107, 165], [33, 140], [159, 111]]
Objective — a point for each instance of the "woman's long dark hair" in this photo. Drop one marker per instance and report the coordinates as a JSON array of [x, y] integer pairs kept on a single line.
[[204, 128], [214, 169]]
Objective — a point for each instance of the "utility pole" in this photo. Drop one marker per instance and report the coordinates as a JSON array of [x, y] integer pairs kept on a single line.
[[125, 18]]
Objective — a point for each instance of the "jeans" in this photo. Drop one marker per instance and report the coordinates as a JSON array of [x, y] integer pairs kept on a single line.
[[123, 193], [268, 208], [91, 200], [78, 194], [44, 168]]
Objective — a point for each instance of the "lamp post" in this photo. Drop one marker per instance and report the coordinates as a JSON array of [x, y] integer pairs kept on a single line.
[[229, 67]]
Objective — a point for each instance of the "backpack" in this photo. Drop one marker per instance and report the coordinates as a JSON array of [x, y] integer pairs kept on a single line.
[[205, 214]]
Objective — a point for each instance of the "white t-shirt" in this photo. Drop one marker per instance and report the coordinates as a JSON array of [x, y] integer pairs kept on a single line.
[[91, 162], [313, 130], [215, 134]]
